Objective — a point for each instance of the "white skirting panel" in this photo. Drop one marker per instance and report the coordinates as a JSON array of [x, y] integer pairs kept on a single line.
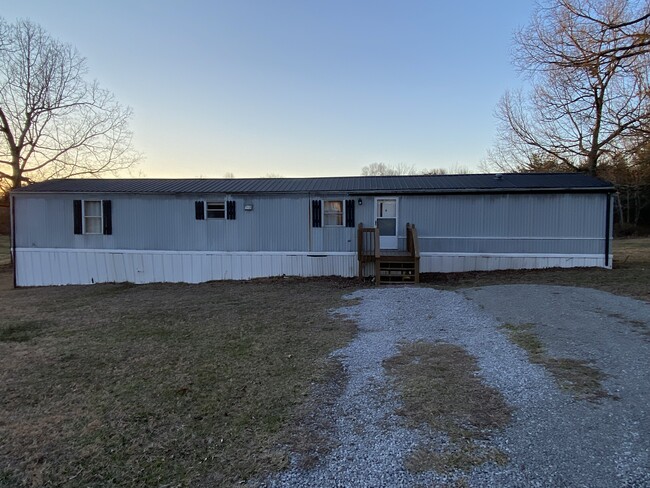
[[459, 262], [42, 267]]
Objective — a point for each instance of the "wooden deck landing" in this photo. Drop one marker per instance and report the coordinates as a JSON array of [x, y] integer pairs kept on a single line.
[[386, 254]]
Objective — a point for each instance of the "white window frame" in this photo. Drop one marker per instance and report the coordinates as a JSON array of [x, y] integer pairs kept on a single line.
[[326, 213], [84, 216], [222, 202]]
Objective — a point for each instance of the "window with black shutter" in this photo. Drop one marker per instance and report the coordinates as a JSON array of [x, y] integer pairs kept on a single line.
[[316, 213], [349, 213], [93, 217], [199, 210], [108, 217], [78, 216], [231, 209]]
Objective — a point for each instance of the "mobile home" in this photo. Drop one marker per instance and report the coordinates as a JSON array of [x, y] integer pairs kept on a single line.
[[194, 230]]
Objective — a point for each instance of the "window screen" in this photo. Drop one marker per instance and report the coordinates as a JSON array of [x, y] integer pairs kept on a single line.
[[92, 217], [216, 210], [333, 212]]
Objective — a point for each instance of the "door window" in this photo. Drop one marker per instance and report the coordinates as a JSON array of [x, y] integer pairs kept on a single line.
[[387, 208]]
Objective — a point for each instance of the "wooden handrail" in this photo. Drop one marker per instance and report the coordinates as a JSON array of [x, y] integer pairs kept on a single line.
[[368, 248], [377, 258], [359, 239], [408, 237], [415, 252], [413, 247], [377, 247]]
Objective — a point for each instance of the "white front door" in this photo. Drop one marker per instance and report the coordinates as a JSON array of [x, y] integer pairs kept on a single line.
[[386, 221]]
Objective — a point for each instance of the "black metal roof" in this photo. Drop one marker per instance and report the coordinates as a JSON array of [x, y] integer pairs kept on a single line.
[[506, 183]]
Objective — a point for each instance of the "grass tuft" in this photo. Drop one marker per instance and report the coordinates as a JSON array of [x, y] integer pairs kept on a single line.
[[462, 456], [523, 336], [579, 377], [440, 388], [22, 331], [640, 326]]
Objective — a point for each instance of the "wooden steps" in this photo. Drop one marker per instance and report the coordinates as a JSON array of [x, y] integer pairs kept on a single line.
[[390, 266], [397, 272]]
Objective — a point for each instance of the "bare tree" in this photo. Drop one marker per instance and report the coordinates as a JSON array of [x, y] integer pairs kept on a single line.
[[54, 123], [457, 169], [383, 169], [435, 172], [588, 61]]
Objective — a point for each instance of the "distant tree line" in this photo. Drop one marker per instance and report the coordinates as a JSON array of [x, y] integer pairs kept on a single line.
[[384, 169]]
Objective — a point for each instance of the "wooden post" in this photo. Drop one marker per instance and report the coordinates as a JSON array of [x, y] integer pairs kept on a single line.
[[360, 249], [408, 237], [377, 258], [415, 252]]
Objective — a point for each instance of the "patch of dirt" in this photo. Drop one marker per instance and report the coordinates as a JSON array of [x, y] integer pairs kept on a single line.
[[440, 388]]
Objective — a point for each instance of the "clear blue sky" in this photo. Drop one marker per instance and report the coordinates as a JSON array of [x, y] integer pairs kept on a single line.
[[297, 88]]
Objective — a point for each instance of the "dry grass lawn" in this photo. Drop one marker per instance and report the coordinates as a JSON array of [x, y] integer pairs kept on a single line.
[[5, 256], [146, 385]]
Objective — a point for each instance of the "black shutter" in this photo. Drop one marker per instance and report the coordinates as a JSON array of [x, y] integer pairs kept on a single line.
[[315, 213], [199, 210], [78, 226], [231, 210], [108, 217], [349, 213]]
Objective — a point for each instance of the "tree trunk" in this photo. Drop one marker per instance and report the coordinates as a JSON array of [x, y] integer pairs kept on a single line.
[[16, 174], [592, 158]]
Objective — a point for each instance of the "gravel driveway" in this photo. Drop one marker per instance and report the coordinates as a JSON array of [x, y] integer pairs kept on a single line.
[[554, 439]]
